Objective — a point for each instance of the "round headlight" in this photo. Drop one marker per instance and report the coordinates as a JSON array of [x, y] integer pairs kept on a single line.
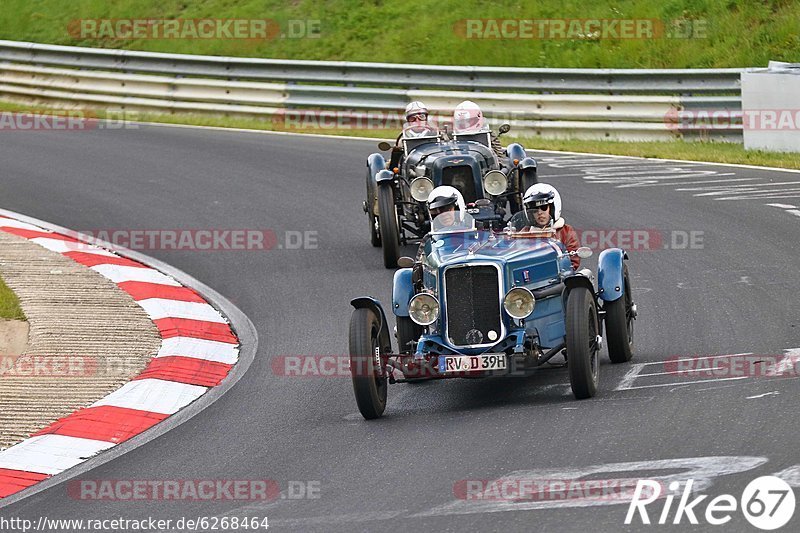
[[423, 309], [495, 182], [421, 188], [519, 302]]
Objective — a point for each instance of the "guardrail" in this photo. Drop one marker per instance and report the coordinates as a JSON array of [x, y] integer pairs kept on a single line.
[[625, 104]]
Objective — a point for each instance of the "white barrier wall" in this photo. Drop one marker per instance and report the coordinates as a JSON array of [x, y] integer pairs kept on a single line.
[[771, 108]]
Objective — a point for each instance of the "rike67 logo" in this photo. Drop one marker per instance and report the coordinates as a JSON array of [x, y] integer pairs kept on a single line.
[[767, 502]]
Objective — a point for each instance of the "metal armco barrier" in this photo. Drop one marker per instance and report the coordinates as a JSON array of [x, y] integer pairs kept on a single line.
[[627, 104]]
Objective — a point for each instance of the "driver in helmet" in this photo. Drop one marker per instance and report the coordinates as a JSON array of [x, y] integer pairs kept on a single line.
[[468, 118], [446, 206], [542, 208], [417, 120]]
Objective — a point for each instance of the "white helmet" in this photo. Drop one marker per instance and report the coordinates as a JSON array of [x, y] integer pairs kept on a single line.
[[543, 194], [445, 195], [468, 118], [416, 108]]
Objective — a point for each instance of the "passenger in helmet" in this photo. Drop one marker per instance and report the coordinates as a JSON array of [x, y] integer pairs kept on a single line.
[[468, 119], [542, 209]]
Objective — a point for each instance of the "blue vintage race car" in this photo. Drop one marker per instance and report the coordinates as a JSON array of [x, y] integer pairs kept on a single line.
[[484, 303], [425, 157]]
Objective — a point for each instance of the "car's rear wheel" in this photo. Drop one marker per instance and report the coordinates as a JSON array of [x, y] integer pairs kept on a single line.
[[582, 348], [390, 235], [374, 234], [366, 368], [619, 323]]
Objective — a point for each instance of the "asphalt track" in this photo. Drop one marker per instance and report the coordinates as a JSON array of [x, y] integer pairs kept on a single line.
[[733, 292]]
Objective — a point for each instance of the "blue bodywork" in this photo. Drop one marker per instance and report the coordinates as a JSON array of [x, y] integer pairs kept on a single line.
[[538, 264], [610, 281]]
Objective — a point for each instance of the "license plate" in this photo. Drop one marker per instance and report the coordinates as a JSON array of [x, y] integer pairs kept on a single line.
[[472, 363]]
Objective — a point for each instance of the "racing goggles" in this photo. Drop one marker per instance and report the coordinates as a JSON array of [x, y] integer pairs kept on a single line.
[[436, 211], [540, 207], [418, 117]]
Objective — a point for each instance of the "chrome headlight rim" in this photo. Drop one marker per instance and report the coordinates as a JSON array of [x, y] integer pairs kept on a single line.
[[496, 190], [434, 304], [415, 183], [527, 294]]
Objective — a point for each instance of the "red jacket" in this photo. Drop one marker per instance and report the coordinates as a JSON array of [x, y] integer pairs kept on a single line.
[[567, 235]]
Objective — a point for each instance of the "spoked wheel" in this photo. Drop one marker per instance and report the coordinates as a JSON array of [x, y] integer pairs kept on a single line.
[[620, 315], [366, 368], [582, 348], [390, 235], [374, 233]]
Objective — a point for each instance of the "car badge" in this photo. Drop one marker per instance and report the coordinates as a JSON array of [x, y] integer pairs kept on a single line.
[[456, 161], [474, 336]]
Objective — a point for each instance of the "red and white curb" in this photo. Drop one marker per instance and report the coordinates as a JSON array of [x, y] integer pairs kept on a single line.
[[198, 350]]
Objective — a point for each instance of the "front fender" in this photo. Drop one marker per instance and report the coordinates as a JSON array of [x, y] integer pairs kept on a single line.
[[609, 274], [574, 281], [402, 291], [529, 163], [367, 302], [515, 151], [375, 163], [384, 176]]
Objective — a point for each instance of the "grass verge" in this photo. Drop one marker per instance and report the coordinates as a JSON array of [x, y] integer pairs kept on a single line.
[[9, 304]]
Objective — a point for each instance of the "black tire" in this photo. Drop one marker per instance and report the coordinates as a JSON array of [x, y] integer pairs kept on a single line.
[[374, 235], [390, 236], [619, 324], [407, 332], [369, 379], [582, 356], [527, 179], [524, 181]]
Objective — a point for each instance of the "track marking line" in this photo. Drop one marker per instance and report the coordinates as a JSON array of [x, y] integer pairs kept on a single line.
[[677, 385], [773, 393]]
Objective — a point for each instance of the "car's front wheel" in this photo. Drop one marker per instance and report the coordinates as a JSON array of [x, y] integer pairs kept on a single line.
[[366, 368], [390, 235], [582, 348]]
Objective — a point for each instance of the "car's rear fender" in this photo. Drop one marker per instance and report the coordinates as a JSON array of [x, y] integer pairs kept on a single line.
[[609, 274], [402, 291], [367, 302]]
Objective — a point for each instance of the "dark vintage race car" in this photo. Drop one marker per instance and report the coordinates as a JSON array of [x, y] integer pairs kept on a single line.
[[425, 157], [485, 303]]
